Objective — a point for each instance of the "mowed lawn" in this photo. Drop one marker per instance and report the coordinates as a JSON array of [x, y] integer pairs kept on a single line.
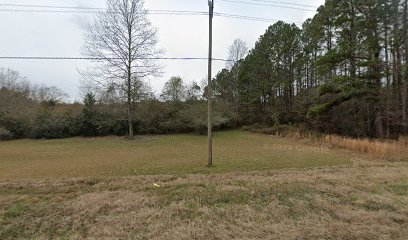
[[234, 151]]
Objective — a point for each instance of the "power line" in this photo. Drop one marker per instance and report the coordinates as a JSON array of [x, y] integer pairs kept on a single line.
[[268, 5], [218, 14], [97, 10], [48, 6], [96, 58], [254, 3], [176, 11], [152, 12], [94, 8], [43, 11], [157, 12], [285, 3]]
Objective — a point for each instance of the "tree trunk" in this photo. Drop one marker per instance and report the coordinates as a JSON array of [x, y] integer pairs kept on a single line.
[[405, 91], [129, 90], [387, 75], [129, 78], [129, 103], [379, 124], [396, 56], [130, 122]]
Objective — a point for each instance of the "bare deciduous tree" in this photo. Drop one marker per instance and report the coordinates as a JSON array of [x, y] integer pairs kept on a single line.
[[236, 52], [174, 90], [51, 94], [124, 42], [13, 80]]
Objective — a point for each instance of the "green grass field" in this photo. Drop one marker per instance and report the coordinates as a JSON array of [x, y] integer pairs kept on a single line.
[[158, 187], [157, 155]]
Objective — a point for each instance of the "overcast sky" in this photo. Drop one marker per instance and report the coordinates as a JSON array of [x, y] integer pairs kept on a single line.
[[61, 34]]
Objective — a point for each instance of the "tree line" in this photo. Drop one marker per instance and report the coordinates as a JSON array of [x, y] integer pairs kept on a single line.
[[41, 112], [345, 71]]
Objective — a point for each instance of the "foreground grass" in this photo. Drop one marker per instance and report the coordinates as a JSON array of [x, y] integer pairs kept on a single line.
[[154, 155], [363, 201], [262, 187]]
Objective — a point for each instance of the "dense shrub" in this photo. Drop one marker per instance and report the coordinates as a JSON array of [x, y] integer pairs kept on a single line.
[[5, 134], [52, 120], [18, 128], [51, 126], [181, 117], [288, 130]]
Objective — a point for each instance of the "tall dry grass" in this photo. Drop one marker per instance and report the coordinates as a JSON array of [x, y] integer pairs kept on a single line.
[[336, 203], [392, 149], [377, 148]]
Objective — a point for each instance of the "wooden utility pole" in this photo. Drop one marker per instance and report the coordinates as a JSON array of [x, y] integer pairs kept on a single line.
[[209, 88], [405, 91]]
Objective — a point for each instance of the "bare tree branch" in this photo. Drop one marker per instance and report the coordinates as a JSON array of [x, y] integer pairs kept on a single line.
[[125, 41]]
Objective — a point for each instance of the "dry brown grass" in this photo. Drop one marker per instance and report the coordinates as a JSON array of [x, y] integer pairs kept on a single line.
[[377, 148], [403, 141], [365, 201], [391, 149]]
